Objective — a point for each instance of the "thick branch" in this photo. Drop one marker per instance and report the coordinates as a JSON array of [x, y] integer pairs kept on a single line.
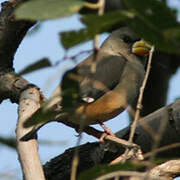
[[11, 34], [170, 169], [30, 101], [11, 86]]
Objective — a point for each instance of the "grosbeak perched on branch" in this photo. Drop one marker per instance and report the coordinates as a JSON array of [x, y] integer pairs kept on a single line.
[[114, 84]]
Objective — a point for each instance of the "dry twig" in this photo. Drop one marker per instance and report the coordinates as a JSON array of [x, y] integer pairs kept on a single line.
[[136, 152], [100, 6], [139, 103], [131, 174]]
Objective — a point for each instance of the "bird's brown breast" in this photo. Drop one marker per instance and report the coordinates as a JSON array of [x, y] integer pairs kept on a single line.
[[103, 109]]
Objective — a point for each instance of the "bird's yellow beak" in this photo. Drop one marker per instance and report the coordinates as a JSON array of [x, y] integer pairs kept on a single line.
[[141, 48]]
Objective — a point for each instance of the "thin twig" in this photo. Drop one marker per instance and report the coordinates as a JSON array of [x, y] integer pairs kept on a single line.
[[74, 57], [121, 142], [142, 122], [100, 5], [75, 160], [139, 103], [120, 173], [141, 175], [96, 37], [137, 152], [96, 133], [161, 149]]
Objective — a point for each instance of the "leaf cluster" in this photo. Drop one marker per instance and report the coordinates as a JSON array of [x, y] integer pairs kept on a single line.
[[152, 20]]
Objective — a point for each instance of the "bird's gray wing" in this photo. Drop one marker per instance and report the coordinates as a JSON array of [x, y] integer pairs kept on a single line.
[[108, 74]]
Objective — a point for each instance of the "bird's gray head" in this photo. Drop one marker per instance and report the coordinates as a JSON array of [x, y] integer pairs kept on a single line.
[[125, 35], [121, 42], [122, 38]]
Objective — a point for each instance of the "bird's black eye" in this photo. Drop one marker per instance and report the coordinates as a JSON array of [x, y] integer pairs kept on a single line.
[[127, 39]]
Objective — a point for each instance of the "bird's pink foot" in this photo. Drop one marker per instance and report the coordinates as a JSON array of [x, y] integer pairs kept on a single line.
[[107, 131]]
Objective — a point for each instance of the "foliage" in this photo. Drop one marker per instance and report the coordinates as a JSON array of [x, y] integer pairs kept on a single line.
[[93, 25], [47, 9], [104, 169], [40, 64], [151, 20]]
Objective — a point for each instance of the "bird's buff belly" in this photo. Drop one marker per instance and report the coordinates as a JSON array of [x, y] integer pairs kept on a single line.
[[101, 110]]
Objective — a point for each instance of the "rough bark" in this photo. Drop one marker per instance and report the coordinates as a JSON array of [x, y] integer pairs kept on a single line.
[[11, 34], [30, 101], [170, 169]]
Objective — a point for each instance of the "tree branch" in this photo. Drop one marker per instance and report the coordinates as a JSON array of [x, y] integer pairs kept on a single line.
[[11, 34], [30, 101], [11, 86], [169, 170], [92, 154]]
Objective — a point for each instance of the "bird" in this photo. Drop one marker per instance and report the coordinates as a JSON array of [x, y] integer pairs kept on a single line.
[[112, 86], [115, 83]]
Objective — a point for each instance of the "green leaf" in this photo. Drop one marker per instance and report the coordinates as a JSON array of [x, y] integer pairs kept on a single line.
[[42, 115], [153, 12], [47, 9], [43, 63], [105, 169], [70, 91], [8, 141], [152, 19], [94, 22], [94, 25], [173, 36], [70, 100]]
